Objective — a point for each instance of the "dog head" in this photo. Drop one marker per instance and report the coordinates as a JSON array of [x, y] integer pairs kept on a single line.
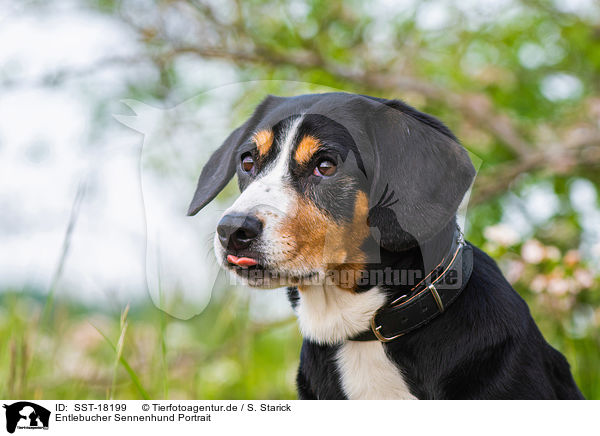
[[324, 179]]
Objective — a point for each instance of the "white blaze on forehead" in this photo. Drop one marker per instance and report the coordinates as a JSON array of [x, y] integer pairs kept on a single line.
[[288, 140], [279, 171], [270, 193]]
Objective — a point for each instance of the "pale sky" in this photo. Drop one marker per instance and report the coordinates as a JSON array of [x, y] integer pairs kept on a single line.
[[48, 148]]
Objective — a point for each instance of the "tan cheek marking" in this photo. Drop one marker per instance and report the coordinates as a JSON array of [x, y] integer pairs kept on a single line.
[[310, 231], [307, 147], [354, 235], [263, 140], [358, 230], [320, 242]]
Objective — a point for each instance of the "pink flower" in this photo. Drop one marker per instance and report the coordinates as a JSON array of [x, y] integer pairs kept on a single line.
[[533, 251], [584, 277], [560, 286], [572, 257], [539, 283], [501, 234], [514, 271], [551, 252]]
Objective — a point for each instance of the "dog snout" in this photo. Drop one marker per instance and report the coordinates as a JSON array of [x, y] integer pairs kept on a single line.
[[238, 231]]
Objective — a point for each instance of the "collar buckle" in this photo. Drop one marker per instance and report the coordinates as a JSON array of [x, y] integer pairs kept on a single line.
[[376, 331], [436, 297], [427, 288]]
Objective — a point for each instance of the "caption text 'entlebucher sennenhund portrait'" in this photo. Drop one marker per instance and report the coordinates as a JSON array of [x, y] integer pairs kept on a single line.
[[351, 203]]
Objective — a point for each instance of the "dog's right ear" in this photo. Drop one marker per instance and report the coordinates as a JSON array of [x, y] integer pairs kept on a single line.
[[218, 171], [221, 166]]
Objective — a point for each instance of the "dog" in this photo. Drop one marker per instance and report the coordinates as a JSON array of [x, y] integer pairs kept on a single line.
[[351, 202]]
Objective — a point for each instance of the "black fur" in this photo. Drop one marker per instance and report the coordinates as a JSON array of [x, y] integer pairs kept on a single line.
[[486, 344], [318, 377]]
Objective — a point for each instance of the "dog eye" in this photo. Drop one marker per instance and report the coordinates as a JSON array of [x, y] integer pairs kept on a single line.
[[247, 162], [325, 168]]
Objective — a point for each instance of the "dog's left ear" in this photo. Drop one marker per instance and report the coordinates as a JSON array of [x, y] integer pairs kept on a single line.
[[420, 176]]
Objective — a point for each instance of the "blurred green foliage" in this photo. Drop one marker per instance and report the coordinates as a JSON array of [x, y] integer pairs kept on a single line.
[[73, 353], [517, 81]]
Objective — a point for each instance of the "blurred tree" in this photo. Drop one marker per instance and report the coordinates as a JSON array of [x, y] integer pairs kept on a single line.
[[516, 80]]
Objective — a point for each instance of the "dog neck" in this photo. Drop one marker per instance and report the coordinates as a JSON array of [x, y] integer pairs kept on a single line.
[[410, 265], [329, 314]]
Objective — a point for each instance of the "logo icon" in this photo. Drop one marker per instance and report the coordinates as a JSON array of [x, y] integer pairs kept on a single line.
[[26, 415]]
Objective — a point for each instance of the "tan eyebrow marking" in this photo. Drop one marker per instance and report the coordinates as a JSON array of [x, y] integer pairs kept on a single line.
[[307, 147], [263, 140]]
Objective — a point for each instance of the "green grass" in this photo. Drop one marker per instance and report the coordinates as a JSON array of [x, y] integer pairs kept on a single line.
[[80, 352], [83, 353]]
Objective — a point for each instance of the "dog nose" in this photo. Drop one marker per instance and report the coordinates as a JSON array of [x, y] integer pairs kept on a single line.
[[238, 231]]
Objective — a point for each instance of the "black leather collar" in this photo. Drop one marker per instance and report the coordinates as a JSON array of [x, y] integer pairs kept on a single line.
[[427, 300]]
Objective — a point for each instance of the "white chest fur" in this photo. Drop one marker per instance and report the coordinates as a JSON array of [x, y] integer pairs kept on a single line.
[[368, 374], [331, 315]]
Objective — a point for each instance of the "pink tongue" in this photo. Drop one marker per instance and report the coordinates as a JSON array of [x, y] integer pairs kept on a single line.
[[241, 261]]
